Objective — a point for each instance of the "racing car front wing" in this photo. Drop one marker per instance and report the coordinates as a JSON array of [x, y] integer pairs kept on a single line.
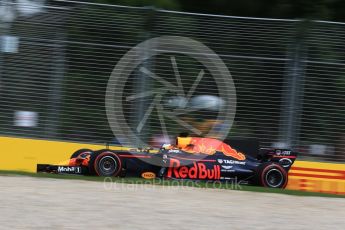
[[61, 169]]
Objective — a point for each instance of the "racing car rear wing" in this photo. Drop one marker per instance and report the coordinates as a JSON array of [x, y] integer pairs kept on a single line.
[[284, 157]]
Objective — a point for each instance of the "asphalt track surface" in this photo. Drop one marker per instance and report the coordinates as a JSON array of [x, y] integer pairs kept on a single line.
[[44, 203]]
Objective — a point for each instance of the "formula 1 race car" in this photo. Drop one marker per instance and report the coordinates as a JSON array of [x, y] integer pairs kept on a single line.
[[191, 158]]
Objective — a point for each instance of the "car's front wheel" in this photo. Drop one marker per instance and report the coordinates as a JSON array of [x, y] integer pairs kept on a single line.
[[105, 163]]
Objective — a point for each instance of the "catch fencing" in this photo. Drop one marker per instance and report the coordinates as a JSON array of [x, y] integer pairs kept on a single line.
[[289, 77]]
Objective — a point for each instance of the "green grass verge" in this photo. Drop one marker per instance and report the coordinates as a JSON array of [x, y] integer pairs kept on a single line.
[[198, 184]]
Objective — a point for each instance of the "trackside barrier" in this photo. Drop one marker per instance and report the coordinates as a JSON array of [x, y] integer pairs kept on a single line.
[[18, 154], [317, 177]]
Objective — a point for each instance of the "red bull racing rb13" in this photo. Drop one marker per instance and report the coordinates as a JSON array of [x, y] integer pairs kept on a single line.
[[191, 158]]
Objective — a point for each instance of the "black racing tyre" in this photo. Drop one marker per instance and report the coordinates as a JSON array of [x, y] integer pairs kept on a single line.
[[271, 175], [81, 151], [105, 163]]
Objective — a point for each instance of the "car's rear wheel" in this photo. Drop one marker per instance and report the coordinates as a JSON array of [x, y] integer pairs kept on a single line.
[[272, 175], [105, 163]]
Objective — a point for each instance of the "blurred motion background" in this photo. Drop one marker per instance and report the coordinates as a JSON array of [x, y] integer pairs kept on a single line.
[[286, 58]]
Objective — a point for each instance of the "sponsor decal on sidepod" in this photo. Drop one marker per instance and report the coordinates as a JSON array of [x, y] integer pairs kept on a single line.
[[197, 171], [148, 175], [227, 167], [231, 162]]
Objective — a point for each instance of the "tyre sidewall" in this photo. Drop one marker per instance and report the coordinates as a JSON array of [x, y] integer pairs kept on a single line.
[[95, 159], [264, 169]]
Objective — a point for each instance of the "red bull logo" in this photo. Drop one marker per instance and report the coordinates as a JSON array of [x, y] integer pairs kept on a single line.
[[197, 171], [207, 146]]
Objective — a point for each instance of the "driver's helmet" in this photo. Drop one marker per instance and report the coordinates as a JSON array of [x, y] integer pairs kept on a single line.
[[167, 146], [204, 111]]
